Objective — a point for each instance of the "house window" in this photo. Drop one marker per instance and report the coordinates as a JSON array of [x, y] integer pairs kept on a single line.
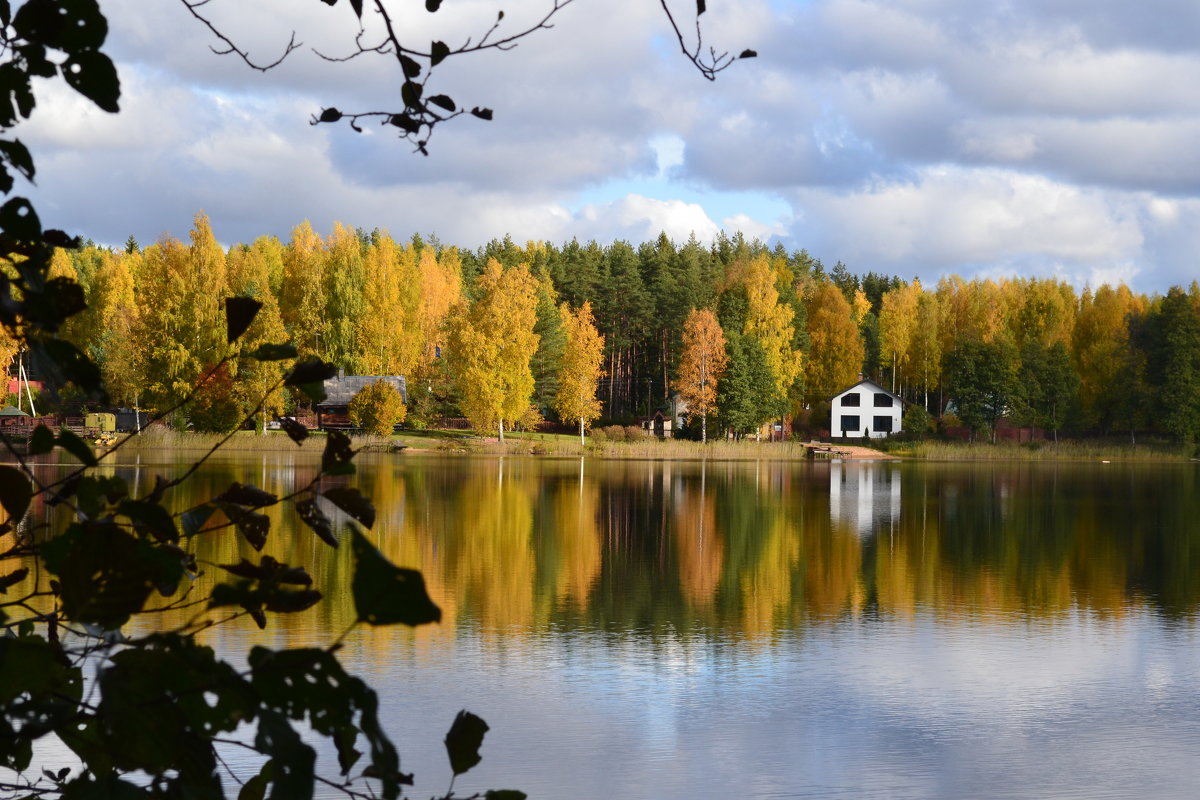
[[883, 400], [850, 424], [852, 401], [883, 423]]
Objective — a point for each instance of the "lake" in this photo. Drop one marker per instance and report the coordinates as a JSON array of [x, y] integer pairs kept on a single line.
[[638, 629]]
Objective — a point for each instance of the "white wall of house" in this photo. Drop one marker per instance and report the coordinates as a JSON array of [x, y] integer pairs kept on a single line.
[[865, 409]]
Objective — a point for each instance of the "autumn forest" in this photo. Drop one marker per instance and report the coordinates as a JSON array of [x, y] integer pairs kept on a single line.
[[510, 335]]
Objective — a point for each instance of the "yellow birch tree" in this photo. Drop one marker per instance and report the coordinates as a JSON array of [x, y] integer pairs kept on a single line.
[[770, 323], [835, 354], [701, 365], [491, 344], [897, 326], [302, 297], [579, 378]]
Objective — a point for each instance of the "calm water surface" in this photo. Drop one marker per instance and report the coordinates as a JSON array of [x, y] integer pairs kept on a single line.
[[638, 629]]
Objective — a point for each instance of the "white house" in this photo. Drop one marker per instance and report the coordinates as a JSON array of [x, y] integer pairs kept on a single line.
[[865, 409]]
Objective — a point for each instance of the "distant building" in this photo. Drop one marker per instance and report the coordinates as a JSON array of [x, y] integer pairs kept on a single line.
[[333, 411], [866, 409]]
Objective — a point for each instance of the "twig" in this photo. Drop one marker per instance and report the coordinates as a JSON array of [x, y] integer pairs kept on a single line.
[[230, 47]]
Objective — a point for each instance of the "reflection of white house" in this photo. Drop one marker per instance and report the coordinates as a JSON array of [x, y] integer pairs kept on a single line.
[[864, 496], [865, 409]]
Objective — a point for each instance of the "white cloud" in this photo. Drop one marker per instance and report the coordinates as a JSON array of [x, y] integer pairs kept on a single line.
[[950, 217], [641, 219], [1053, 135]]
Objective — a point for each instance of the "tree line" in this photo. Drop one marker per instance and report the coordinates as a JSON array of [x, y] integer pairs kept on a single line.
[[511, 334]]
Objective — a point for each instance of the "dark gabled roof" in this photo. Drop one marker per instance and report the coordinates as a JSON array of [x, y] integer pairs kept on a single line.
[[870, 383], [340, 390]]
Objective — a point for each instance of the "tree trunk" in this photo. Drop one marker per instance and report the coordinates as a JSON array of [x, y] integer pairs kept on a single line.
[[502, 430], [581, 441], [704, 428]]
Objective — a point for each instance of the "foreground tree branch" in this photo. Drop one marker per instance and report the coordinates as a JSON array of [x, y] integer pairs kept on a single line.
[[423, 111]]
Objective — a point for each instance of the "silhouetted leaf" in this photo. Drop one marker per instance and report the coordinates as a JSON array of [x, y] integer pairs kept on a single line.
[[239, 314], [432, 5], [19, 220], [66, 362], [92, 74], [700, 7], [150, 518], [42, 441], [50, 306], [15, 492], [272, 352], [410, 93], [503, 794], [106, 574], [245, 495], [442, 101], [405, 123], [254, 527], [77, 25], [12, 579], [270, 571], [314, 391], [357, 6], [385, 594], [161, 701], [748, 54], [65, 490], [482, 113], [77, 447], [295, 431], [314, 370], [330, 115], [438, 51], [353, 502], [313, 517], [294, 760], [464, 740], [56, 238], [193, 519], [337, 459], [18, 155], [410, 66], [256, 787]]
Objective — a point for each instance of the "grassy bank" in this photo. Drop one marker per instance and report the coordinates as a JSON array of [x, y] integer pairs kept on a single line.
[[434, 441], [568, 445], [1065, 450]]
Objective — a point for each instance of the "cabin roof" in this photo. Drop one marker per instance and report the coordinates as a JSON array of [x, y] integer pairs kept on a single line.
[[870, 384], [340, 390]]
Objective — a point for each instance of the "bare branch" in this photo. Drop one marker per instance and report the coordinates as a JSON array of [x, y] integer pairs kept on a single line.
[[416, 121], [708, 67], [230, 47]]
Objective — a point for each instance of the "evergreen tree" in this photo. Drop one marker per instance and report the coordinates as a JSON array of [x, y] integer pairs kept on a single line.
[[746, 393]]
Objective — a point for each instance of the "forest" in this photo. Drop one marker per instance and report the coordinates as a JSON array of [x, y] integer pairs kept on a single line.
[[485, 333]]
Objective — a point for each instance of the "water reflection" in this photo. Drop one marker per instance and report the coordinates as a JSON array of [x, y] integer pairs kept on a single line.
[[767, 630], [739, 548], [864, 496]]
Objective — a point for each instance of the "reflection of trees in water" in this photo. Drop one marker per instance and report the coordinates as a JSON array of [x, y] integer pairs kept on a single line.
[[737, 548]]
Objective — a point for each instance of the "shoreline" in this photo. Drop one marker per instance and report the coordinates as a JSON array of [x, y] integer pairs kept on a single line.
[[437, 442]]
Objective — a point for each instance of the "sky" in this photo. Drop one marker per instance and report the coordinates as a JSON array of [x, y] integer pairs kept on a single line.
[[918, 138]]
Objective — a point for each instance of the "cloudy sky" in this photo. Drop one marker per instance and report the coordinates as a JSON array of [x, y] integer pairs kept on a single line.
[[914, 137]]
